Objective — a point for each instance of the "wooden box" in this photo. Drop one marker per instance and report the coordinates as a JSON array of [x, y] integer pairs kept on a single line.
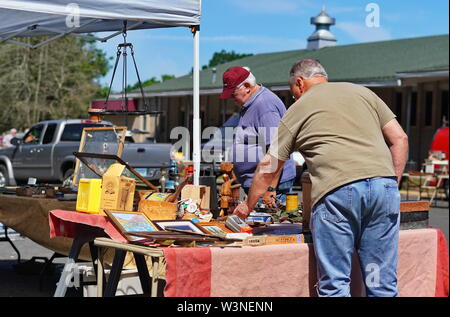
[[158, 210], [117, 191], [200, 194]]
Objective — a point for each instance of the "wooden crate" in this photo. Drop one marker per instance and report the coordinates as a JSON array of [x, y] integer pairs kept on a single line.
[[158, 210]]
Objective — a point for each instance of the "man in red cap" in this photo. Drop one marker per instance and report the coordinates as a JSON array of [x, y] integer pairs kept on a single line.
[[260, 115]]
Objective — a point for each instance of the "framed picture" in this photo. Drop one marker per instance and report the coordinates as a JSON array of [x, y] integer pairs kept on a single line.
[[185, 225], [126, 221], [105, 140], [214, 227]]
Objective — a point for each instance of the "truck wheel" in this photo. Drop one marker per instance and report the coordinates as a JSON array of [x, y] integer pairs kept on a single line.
[[4, 177], [67, 178]]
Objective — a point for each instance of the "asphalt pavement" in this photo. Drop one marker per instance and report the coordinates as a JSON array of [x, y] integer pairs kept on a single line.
[[27, 280]]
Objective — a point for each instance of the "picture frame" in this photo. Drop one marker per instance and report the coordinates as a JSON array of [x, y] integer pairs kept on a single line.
[[129, 221], [182, 224], [98, 140], [214, 228]]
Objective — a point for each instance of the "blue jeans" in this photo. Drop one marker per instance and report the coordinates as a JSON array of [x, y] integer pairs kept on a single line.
[[282, 189], [362, 216]]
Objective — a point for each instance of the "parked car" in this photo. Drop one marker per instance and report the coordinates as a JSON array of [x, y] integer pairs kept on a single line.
[[46, 152]]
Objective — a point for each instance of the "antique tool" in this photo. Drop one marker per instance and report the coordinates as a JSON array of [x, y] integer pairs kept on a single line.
[[174, 197], [163, 180]]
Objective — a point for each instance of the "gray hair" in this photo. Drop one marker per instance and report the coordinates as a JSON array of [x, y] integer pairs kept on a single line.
[[251, 80], [307, 68]]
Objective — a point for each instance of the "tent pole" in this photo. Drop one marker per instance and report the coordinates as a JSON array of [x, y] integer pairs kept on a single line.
[[196, 104]]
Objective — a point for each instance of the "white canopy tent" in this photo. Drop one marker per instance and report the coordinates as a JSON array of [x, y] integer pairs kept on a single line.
[[57, 18]]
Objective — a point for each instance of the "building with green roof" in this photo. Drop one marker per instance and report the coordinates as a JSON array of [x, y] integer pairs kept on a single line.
[[410, 75]]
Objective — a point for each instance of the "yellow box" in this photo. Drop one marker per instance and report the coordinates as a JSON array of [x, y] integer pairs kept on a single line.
[[89, 195], [117, 191]]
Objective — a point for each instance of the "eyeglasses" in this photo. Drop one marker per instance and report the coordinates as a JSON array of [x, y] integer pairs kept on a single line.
[[237, 88]]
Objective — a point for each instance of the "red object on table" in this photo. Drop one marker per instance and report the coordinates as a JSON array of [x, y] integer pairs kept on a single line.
[[63, 223]]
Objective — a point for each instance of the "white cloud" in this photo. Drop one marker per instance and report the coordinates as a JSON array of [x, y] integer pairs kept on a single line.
[[362, 33]]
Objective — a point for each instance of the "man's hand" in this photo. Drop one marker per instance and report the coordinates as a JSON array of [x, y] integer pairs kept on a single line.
[[269, 199], [242, 210]]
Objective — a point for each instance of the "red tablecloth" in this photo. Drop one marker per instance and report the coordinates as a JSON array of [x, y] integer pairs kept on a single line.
[[63, 223], [289, 270]]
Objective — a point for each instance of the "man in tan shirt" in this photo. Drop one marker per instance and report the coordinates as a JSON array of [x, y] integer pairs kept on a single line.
[[355, 151]]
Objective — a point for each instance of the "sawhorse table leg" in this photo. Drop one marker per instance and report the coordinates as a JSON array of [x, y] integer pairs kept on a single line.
[[7, 239], [149, 287], [85, 234]]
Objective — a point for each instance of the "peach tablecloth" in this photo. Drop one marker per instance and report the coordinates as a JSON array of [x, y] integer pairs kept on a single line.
[[289, 270]]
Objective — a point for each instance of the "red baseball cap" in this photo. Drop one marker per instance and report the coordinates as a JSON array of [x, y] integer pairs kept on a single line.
[[232, 78]]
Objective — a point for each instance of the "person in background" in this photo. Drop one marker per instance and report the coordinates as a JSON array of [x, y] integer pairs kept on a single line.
[[260, 114], [7, 139], [355, 151]]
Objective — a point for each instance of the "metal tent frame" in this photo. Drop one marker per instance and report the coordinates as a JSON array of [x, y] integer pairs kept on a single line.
[[30, 18]]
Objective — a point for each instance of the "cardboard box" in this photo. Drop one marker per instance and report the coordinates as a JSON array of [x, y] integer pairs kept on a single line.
[[117, 191], [200, 194]]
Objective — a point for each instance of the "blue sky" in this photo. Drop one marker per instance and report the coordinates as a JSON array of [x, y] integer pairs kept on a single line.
[[261, 26]]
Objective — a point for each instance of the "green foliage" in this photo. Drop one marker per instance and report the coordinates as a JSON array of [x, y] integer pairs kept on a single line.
[[223, 57], [56, 81], [149, 82]]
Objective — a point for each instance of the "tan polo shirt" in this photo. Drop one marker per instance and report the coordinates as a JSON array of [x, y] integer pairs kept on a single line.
[[337, 129]]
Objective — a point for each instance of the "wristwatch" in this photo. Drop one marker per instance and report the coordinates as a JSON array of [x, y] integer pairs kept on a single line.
[[271, 189]]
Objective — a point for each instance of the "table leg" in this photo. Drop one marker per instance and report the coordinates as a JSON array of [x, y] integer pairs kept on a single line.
[[114, 275], [7, 239], [85, 234], [68, 271], [100, 272], [144, 276], [155, 272]]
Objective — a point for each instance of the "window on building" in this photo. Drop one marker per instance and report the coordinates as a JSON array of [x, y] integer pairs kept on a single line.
[[413, 108], [428, 108], [444, 106], [398, 106]]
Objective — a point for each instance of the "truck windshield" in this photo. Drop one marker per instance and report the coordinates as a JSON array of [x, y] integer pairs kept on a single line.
[[73, 131]]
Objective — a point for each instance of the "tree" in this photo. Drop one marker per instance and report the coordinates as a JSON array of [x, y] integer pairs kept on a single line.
[[149, 82], [55, 81], [223, 57]]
